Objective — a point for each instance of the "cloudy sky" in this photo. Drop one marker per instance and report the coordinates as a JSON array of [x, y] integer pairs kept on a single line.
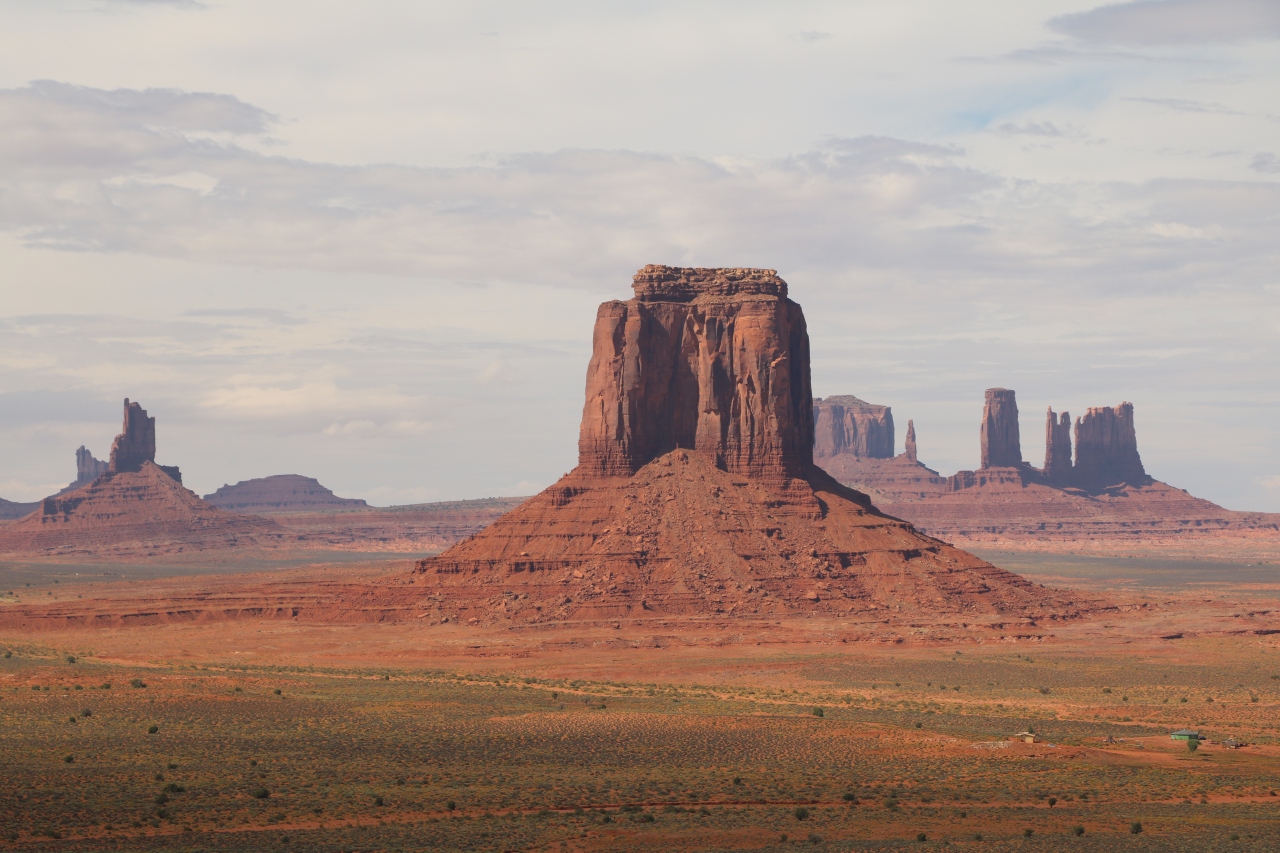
[[365, 241]]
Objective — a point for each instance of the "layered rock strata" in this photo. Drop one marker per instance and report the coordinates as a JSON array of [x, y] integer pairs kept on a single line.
[[846, 424], [281, 493], [1001, 444], [695, 492]]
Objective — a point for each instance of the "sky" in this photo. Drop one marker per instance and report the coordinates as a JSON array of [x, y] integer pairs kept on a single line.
[[365, 242]]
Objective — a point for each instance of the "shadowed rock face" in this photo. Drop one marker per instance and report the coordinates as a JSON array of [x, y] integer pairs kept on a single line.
[[845, 424], [136, 442], [1001, 445], [1057, 448], [709, 360], [88, 468], [1107, 448]]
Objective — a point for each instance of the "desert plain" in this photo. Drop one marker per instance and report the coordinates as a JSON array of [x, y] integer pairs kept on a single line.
[[241, 726]]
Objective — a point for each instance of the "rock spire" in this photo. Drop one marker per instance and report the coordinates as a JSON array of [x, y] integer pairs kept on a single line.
[[136, 443], [911, 441], [88, 468], [1001, 445], [1057, 448]]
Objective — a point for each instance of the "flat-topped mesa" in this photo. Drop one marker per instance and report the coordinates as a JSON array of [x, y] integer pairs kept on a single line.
[[1107, 448], [845, 424], [88, 468], [1001, 444], [658, 283], [136, 443], [711, 360], [1057, 448]]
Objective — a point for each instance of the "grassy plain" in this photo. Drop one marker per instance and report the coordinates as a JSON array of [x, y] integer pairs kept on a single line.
[[275, 735]]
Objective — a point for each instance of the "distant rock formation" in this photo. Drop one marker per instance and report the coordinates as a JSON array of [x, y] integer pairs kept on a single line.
[[695, 492], [88, 468], [280, 493], [1001, 445], [1057, 448], [845, 424], [1107, 449], [712, 360], [910, 453], [1105, 496], [136, 443], [135, 508], [14, 509]]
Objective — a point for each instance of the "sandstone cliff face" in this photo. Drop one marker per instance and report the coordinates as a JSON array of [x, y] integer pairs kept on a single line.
[[1001, 445], [845, 424], [1107, 448], [1057, 448], [910, 451], [710, 360]]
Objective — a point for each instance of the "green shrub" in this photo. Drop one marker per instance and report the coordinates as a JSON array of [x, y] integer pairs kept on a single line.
[[70, 759], [1135, 828], [920, 836], [817, 712], [801, 813], [137, 682], [1193, 744], [1078, 831], [377, 801], [259, 793], [1027, 833], [152, 729]]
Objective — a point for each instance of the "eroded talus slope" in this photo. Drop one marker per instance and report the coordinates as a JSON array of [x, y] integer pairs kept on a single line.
[[683, 537]]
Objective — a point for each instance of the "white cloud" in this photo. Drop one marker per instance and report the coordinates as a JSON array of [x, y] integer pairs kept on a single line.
[[1158, 22]]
